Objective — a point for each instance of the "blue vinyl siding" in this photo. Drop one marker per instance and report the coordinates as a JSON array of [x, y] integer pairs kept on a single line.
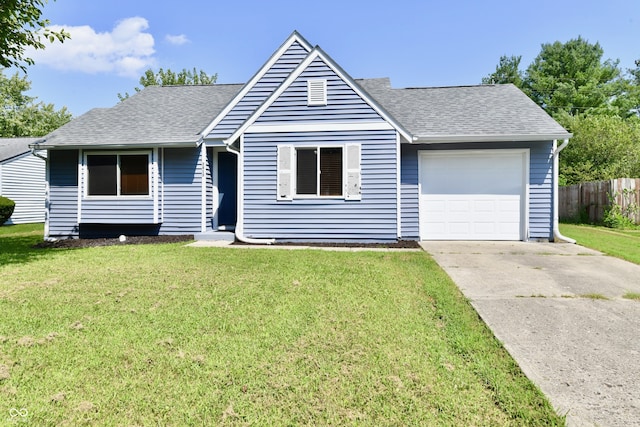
[[22, 179], [540, 184], [371, 219], [121, 210], [182, 189], [63, 193], [343, 103], [260, 92], [117, 211], [179, 206]]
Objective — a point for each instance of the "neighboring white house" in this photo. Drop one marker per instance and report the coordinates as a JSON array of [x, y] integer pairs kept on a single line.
[[22, 179]]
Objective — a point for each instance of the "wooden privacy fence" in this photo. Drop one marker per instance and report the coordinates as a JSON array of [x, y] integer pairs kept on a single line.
[[588, 201]]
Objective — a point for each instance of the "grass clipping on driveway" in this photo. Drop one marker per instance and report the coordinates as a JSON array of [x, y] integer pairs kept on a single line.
[[172, 335]]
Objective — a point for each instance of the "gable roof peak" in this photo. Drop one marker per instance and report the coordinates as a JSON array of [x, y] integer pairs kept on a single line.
[[296, 36]]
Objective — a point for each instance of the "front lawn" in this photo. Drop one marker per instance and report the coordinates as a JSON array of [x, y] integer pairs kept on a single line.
[[174, 335], [623, 244]]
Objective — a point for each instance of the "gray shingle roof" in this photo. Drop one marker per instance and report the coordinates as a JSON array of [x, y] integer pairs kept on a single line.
[[177, 115], [157, 115], [465, 113], [12, 147]]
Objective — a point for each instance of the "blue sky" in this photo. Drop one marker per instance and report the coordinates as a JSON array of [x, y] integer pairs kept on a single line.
[[415, 43]]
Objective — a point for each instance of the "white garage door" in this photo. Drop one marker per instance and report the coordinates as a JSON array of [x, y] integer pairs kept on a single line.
[[473, 195]]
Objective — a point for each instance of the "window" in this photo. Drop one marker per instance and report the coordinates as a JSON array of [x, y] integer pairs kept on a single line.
[[305, 172], [319, 175], [118, 174]]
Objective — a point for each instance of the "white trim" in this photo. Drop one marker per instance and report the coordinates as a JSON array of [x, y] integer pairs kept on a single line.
[[398, 189], [156, 180], [294, 37], [524, 202], [47, 197], [318, 127], [203, 189], [85, 183], [240, 188], [81, 173], [313, 55], [162, 190]]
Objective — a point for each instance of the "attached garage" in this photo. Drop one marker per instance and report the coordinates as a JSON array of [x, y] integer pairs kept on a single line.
[[473, 194]]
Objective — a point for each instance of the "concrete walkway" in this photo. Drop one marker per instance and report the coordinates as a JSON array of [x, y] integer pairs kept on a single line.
[[539, 299]]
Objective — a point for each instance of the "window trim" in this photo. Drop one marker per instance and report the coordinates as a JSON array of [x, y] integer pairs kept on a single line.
[[318, 172], [85, 175]]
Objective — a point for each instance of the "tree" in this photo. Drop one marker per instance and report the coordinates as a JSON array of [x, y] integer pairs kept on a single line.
[[603, 147], [507, 71], [21, 115], [22, 26], [627, 103], [169, 78], [571, 78]]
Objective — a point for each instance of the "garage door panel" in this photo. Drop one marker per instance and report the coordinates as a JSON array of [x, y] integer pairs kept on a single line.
[[472, 195]]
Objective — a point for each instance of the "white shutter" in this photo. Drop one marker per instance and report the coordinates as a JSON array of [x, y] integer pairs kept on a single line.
[[353, 190], [285, 172]]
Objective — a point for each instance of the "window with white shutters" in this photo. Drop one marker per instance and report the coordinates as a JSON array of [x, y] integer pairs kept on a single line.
[[314, 171]]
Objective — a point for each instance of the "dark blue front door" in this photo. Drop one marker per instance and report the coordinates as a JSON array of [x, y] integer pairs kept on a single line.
[[227, 187]]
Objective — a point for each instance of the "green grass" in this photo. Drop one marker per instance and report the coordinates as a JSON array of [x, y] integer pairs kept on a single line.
[[632, 295], [623, 244], [594, 295], [172, 335]]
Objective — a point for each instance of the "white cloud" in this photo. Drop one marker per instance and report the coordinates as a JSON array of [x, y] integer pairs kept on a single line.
[[177, 40], [127, 50]]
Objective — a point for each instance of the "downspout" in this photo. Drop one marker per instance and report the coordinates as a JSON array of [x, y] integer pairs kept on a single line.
[[557, 237], [239, 231]]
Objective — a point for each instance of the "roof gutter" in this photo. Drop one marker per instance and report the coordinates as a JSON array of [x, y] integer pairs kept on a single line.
[[34, 151], [239, 231], [557, 237], [452, 139], [117, 146]]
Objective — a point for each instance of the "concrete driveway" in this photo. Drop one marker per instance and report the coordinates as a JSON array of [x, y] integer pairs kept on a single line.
[[539, 299]]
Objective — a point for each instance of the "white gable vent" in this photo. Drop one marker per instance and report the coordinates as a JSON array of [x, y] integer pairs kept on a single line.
[[317, 92]]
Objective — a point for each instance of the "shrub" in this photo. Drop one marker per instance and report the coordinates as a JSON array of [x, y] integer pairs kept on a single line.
[[6, 209], [620, 215]]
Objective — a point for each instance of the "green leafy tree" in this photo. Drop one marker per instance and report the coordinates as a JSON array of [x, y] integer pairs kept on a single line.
[[627, 103], [21, 115], [170, 78], [507, 71], [571, 78], [22, 26], [603, 147]]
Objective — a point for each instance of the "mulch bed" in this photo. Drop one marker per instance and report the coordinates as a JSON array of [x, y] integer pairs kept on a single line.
[[131, 240], [400, 244], [143, 240]]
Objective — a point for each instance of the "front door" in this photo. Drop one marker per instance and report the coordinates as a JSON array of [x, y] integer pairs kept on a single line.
[[227, 189]]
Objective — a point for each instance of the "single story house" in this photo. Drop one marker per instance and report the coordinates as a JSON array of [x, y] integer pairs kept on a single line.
[[304, 152], [22, 179]]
